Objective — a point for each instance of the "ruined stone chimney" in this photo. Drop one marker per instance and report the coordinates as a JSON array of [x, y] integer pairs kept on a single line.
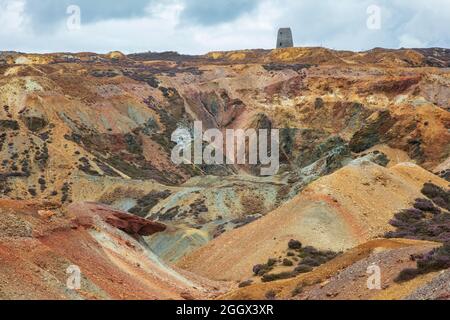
[[284, 39]]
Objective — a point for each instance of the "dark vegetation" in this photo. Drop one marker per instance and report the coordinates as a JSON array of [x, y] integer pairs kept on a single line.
[[146, 203], [9, 125], [316, 148], [122, 152], [65, 190], [283, 66], [436, 260], [373, 132], [444, 174], [246, 283], [144, 75], [33, 123], [42, 156], [164, 56], [301, 259], [428, 220], [271, 295], [105, 73], [86, 167]]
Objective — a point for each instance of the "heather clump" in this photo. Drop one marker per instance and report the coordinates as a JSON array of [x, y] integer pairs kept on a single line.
[[429, 219]]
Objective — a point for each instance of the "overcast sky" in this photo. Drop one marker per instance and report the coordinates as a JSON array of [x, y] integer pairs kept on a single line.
[[200, 26]]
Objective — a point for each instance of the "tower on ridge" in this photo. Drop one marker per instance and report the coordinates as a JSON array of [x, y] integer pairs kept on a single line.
[[285, 39]]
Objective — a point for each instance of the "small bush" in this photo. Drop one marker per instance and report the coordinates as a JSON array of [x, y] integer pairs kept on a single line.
[[426, 205], [294, 244], [303, 268], [310, 251], [278, 276], [310, 258], [418, 223], [436, 260], [32, 192], [435, 192], [298, 290], [287, 263], [406, 275], [440, 202], [331, 255], [271, 262], [245, 283], [261, 269], [271, 295], [313, 262]]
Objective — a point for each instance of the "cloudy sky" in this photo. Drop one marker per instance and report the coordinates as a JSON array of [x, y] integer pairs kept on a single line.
[[199, 26]]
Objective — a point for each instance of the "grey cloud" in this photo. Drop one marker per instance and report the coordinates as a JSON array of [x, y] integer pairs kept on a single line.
[[211, 12], [200, 27], [46, 13]]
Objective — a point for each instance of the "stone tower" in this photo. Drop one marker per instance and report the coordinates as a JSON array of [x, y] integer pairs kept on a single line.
[[284, 39]]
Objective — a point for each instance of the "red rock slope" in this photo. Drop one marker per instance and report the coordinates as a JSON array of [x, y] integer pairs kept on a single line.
[[38, 243]]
